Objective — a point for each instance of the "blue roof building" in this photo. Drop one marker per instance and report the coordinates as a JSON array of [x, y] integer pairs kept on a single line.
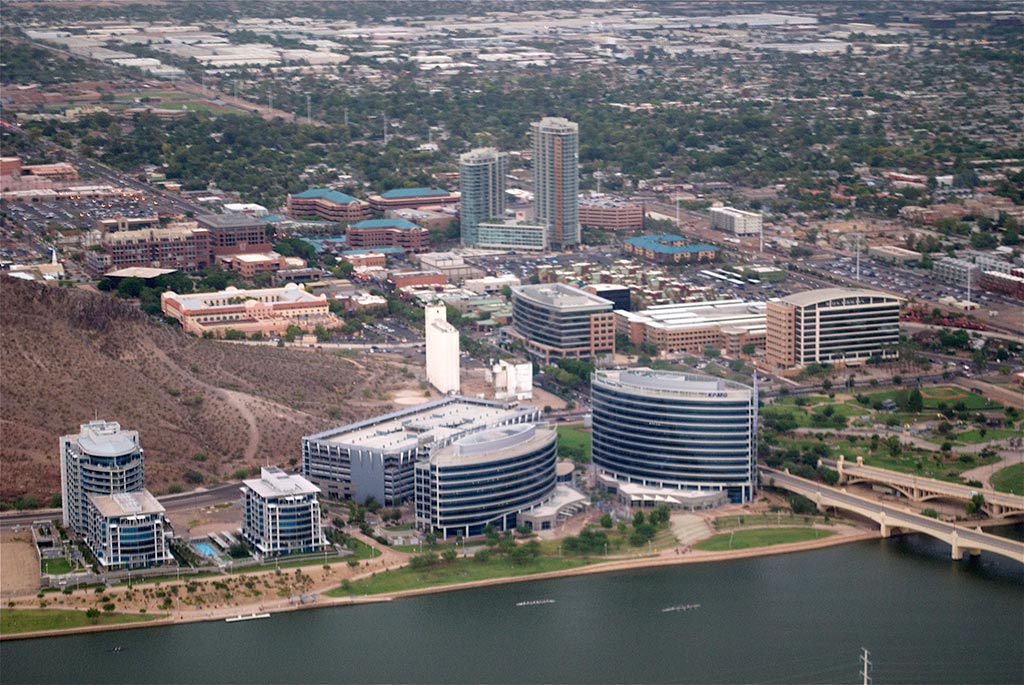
[[667, 248], [330, 205], [399, 198], [402, 224]]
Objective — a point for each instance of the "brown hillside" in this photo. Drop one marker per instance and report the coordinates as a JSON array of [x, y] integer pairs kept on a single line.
[[68, 356]]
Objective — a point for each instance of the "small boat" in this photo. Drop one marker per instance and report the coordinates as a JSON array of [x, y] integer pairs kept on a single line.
[[245, 617], [117, 649], [680, 607], [534, 602]]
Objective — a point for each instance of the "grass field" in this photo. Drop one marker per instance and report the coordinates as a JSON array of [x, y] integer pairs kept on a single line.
[[574, 443], [1009, 479], [30, 620], [759, 537], [767, 519], [56, 567], [972, 437], [459, 571]]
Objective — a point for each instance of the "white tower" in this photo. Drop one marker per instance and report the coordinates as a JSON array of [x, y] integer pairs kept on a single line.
[[442, 349]]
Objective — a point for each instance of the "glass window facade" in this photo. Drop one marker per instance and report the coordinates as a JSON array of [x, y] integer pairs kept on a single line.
[[672, 430], [463, 488]]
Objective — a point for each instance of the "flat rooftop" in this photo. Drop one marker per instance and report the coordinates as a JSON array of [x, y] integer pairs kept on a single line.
[[440, 421], [233, 296], [646, 380], [724, 313], [127, 504], [561, 296], [105, 439], [492, 445], [273, 482]]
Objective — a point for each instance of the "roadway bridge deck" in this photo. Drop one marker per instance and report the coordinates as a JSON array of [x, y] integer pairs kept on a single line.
[[919, 489], [892, 519]]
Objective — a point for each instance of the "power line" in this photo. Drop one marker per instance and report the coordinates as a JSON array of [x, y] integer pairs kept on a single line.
[[866, 667]]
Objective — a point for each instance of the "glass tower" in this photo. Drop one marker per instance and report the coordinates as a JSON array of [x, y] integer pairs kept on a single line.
[[556, 182], [482, 186]]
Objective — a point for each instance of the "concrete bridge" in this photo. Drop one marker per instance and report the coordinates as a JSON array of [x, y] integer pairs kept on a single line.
[[919, 489], [896, 520]]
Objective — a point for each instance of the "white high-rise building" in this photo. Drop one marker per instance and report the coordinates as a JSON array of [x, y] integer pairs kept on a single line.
[[736, 221], [513, 381], [442, 349], [556, 181], [101, 459], [482, 188]]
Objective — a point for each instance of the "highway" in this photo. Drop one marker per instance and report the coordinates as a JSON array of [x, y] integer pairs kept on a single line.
[[226, 492]]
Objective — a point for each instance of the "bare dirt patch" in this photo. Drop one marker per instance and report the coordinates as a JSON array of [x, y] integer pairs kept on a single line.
[[19, 565]]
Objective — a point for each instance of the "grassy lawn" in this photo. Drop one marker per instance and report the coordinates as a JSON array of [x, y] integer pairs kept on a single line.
[[767, 519], [800, 416], [759, 537], [402, 526], [1009, 479], [30, 620], [574, 443], [56, 567], [973, 437], [463, 570]]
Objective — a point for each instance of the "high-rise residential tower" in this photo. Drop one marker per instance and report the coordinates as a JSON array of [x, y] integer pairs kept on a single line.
[[101, 459], [556, 155], [482, 188]]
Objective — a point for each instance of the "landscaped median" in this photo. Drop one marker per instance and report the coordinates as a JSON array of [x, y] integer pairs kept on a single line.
[[13, 621]]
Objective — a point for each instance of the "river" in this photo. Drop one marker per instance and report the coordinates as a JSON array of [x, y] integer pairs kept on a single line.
[[795, 618]]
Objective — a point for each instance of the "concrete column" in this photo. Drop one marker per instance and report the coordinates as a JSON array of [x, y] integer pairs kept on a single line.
[[883, 526]]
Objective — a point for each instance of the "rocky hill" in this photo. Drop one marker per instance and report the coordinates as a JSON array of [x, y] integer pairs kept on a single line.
[[204, 409]]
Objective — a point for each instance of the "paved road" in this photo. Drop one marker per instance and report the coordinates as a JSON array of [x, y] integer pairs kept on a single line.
[[895, 516], [228, 492]]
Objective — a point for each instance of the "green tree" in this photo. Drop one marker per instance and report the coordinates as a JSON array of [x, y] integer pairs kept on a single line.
[[975, 504], [291, 332], [606, 521], [915, 402]]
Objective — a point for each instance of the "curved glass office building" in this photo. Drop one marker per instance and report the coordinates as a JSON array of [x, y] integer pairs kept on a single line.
[[485, 478], [670, 431]]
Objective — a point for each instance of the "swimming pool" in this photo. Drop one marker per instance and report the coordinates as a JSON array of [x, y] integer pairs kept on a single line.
[[206, 549]]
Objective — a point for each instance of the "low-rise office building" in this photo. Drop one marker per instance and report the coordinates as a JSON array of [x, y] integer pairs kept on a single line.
[[249, 265], [832, 325], [377, 457], [610, 214], [956, 271], [674, 438], [893, 254], [127, 530], [516, 235], [235, 233], [669, 249], [183, 246], [378, 233], [485, 478], [725, 325], [282, 514], [268, 311], [329, 205], [736, 221], [412, 198], [557, 321]]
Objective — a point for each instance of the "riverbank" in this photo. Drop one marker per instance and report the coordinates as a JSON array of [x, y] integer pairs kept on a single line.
[[843, 536]]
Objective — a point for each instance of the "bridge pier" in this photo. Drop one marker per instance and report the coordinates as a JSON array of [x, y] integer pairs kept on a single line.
[[883, 526]]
